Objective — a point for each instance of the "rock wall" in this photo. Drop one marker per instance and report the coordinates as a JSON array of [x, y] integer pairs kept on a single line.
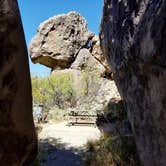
[[18, 141], [133, 38]]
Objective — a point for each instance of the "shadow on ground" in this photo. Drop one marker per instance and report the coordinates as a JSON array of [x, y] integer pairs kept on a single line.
[[52, 152]]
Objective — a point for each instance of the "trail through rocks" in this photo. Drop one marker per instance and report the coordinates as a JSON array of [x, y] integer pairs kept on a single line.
[[61, 145]]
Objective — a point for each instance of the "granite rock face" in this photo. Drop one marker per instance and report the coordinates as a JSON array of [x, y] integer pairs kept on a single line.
[[18, 141], [133, 38]]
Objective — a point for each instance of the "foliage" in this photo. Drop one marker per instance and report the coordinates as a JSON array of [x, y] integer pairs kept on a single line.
[[112, 151], [60, 92], [38, 96], [57, 114], [59, 89], [53, 90]]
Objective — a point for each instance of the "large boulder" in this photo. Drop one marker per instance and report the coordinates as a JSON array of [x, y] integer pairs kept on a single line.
[[63, 41], [133, 38], [18, 141], [59, 39]]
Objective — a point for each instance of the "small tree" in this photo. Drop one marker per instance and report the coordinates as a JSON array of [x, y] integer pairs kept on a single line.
[[53, 90]]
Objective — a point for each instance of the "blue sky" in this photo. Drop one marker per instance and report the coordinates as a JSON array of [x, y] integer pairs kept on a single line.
[[34, 12]]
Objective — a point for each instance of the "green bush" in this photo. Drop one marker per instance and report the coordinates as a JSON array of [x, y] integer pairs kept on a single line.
[[60, 91], [57, 115], [53, 90]]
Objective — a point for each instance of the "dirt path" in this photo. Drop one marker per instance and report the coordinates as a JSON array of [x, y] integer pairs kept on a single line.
[[63, 145]]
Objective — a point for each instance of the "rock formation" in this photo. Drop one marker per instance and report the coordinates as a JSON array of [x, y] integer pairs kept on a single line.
[[59, 39], [133, 35], [64, 44], [18, 142]]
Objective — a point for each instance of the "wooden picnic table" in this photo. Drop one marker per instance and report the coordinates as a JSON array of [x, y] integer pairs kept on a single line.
[[79, 118]]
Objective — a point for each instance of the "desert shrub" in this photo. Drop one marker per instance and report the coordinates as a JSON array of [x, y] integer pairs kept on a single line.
[[38, 97], [59, 91], [53, 90], [57, 115], [111, 151]]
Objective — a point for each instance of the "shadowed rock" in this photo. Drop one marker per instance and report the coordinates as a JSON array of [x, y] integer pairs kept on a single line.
[[18, 142], [133, 38], [114, 121]]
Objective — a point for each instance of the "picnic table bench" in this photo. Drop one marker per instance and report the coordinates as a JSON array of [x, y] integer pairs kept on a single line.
[[80, 118]]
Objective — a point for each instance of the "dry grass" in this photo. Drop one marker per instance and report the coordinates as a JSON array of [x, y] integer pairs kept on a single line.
[[111, 151]]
